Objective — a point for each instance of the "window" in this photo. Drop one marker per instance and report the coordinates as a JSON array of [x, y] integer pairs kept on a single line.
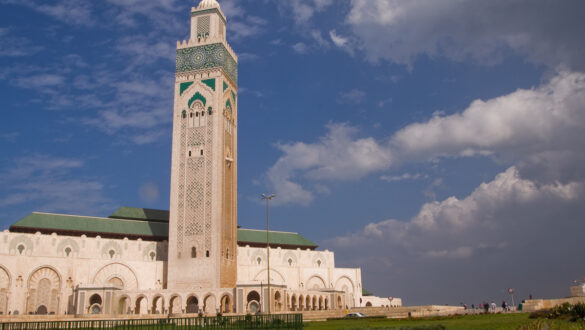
[[112, 253], [67, 251], [191, 115], [20, 248], [189, 153], [152, 255], [289, 261], [258, 260], [207, 253], [193, 252], [184, 114], [201, 152], [318, 263], [196, 114], [227, 253]]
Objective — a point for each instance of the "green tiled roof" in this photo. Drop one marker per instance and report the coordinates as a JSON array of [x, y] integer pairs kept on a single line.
[[48, 222], [141, 214], [144, 223], [277, 238]]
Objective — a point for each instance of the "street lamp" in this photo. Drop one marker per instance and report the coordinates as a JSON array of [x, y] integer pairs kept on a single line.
[[267, 199]]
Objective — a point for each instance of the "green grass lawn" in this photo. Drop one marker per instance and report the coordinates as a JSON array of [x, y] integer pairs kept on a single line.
[[482, 321]]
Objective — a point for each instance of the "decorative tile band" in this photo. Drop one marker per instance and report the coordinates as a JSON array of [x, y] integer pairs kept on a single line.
[[205, 57]]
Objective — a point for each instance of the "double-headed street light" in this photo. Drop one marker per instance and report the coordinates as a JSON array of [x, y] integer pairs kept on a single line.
[[267, 199]]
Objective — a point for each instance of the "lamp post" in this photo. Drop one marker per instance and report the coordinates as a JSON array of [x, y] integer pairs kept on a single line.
[[267, 199]]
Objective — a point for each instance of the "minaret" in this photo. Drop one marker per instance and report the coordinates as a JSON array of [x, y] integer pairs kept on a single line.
[[203, 208]]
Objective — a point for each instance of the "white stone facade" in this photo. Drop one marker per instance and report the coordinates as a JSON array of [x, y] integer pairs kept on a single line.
[[129, 276]]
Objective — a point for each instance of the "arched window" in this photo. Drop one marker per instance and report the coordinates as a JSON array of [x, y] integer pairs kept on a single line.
[[289, 261], [258, 260], [196, 114], [184, 114], [193, 252], [67, 251], [111, 253], [20, 248], [191, 115]]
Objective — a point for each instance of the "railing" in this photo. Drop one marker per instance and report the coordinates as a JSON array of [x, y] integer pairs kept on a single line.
[[274, 321]]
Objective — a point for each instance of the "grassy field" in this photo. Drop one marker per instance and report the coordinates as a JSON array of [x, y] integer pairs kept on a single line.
[[490, 321]]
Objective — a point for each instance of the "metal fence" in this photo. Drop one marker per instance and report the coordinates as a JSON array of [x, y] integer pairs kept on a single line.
[[274, 321]]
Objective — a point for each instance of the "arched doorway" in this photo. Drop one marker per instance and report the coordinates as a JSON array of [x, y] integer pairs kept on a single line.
[[175, 305], [209, 304], [277, 301], [301, 302], [43, 287], [42, 310], [293, 302], [253, 302], [226, 304], [158, 305], [124, 305], [4, 285], [320, 303], [308, 303], [315, 306], [368, 304], [192, 305], [141, 306], [95, 304], [339, 304]]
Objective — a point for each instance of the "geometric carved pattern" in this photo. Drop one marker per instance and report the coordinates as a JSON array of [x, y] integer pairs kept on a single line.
[[44, 286], [115, 273], [203, 26], [205, 57]]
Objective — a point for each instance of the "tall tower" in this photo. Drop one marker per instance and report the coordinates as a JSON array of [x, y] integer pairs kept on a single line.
[[203, 208]]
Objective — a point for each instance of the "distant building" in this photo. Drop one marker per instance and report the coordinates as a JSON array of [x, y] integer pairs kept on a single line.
[[194, 258]]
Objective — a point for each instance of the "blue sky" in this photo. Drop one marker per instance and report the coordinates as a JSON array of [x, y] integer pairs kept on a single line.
[[435, 144]]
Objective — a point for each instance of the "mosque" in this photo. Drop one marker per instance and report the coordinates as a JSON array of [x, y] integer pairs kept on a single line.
[[193, 258]]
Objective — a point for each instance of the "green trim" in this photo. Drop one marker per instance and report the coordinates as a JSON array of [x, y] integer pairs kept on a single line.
[[47, 222], [225, 86], [183, 87], [137, 213], [251, 236], [233, 95], [138, 222], [210, 83], [196, 97], [208, 11], [207, 57]]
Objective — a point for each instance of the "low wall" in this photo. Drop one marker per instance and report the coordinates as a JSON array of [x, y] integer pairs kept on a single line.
[[538, 304]]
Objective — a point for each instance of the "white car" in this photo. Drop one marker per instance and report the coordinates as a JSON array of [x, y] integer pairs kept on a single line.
[[354, 315]]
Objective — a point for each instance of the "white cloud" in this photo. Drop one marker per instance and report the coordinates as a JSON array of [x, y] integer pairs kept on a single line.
[[339, 155], [341, 42], [500, 221], [538, 130], [405, 176], [316, 34], [399, 31], [354, 96], [300, 48], [66, 11], [48, 183]]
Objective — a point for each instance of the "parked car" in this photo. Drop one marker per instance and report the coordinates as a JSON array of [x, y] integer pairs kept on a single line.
[[354, 315]]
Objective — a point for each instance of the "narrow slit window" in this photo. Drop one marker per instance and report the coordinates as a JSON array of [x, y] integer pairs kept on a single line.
[[189, 153], [193, 252], [201, 152], [207, 253]]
